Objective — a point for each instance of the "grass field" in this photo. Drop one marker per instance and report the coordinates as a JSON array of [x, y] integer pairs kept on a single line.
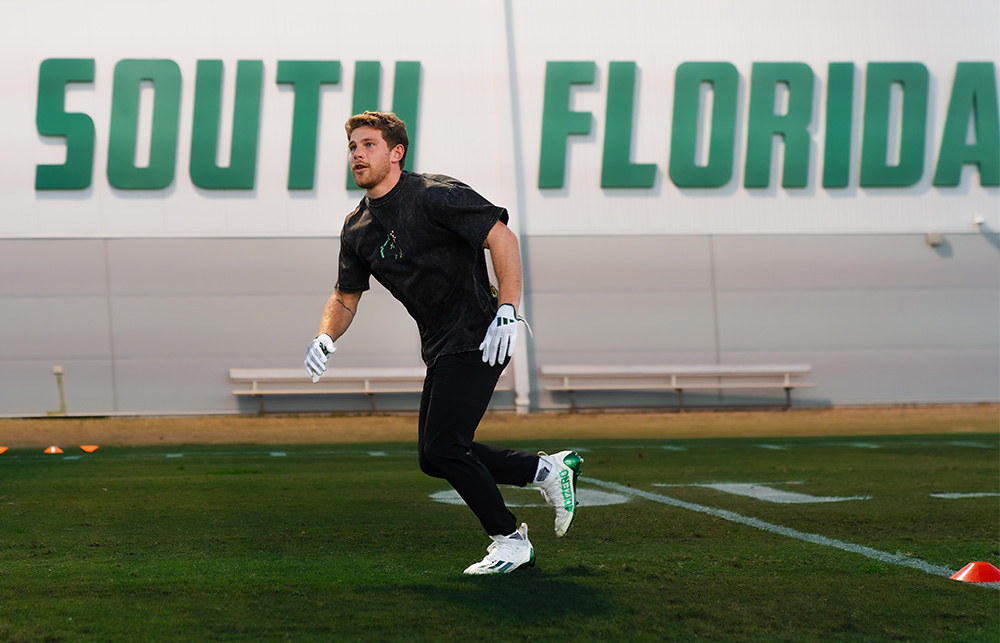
[[329, 541]]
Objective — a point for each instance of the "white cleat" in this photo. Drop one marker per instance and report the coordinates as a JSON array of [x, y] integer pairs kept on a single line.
[[559, 488], [506, 553]]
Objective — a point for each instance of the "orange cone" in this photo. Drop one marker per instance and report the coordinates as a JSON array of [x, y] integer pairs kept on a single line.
[[89, 448], [53, 449], [3, 449], [978, 572]]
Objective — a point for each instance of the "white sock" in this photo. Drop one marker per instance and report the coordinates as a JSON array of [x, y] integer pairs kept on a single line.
[[544, 468]]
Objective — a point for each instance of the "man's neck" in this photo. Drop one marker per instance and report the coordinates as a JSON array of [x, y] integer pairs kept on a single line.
[[386, 185]]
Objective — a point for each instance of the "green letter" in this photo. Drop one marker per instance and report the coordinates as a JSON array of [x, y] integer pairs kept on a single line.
[[724, 81], [617, 168], [875, 169], [366, 83], [558, 122], [52, 119], [240, 173], [839, 117], [973, 95], [405, 98], [792, 126], [305, 76], [166, 78]]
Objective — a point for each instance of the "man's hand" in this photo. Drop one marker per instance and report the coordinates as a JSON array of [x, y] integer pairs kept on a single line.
[[500, 336], [318, 352]]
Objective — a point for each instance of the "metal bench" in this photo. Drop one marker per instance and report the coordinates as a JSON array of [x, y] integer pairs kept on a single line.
[[677, 378], [259, 382]]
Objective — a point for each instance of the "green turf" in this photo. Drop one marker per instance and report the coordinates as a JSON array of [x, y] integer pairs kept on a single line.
[[333, 543]]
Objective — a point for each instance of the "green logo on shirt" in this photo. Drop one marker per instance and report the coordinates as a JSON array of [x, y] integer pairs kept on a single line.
[[390, 247]]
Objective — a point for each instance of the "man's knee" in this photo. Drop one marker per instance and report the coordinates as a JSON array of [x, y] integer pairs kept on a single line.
[[438, 459], [428, 466]]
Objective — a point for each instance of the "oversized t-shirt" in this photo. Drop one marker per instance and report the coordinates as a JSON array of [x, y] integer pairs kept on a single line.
[[423, 241]]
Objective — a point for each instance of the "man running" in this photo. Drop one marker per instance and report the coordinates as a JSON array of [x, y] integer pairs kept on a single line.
[[423, 236]]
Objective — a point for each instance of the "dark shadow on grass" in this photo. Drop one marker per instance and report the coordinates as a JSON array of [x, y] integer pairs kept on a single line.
[[533, 596]]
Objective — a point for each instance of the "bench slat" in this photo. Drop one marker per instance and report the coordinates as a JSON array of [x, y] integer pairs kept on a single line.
[[299, 375], [286, 381], [684, 387], [689, 370], [310, 391], [261, 382], [679, 378]]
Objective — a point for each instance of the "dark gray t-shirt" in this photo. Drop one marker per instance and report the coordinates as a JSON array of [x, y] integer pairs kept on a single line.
[[423, 241]]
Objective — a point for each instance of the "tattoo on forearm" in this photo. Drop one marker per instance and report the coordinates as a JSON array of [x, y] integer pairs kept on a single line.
[[344, 306]]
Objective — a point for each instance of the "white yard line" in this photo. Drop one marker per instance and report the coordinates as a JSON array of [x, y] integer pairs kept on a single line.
[[767, 494], [816, 539]]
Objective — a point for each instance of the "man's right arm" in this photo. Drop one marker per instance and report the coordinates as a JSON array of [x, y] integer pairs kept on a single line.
[[339, 313], [337, 316]]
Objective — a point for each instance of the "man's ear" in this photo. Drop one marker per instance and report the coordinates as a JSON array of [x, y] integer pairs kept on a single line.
[[397, 154]]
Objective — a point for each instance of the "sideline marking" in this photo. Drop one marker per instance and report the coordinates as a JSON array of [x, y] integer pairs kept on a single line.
[[198, 454], [816, 539], [957, 496], [665, 447], [767, 494]]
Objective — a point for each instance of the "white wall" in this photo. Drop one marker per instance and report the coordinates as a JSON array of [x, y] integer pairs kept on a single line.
[[148, 297], [152, 326], [480, 113], [659, 36], [462, 67]]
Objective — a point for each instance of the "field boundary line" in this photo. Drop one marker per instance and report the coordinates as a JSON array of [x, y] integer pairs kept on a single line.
[[816, 539]]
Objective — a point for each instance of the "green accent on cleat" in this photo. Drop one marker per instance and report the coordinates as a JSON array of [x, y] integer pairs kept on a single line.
[[559, 490]]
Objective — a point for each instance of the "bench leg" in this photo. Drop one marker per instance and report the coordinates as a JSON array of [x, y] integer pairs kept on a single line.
[[788, 397], [680, 398], [371, 400]]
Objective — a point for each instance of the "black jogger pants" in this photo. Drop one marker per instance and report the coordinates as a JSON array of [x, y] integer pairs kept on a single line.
[[457, 391]]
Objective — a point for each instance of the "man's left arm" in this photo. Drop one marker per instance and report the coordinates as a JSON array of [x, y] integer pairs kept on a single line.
[[498, 345], [502, 244]]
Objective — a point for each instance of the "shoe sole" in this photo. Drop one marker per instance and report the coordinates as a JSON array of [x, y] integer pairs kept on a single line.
[[506, 568]]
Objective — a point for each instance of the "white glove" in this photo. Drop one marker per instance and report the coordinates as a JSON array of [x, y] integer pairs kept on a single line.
[[319, 351], [500, 336]]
